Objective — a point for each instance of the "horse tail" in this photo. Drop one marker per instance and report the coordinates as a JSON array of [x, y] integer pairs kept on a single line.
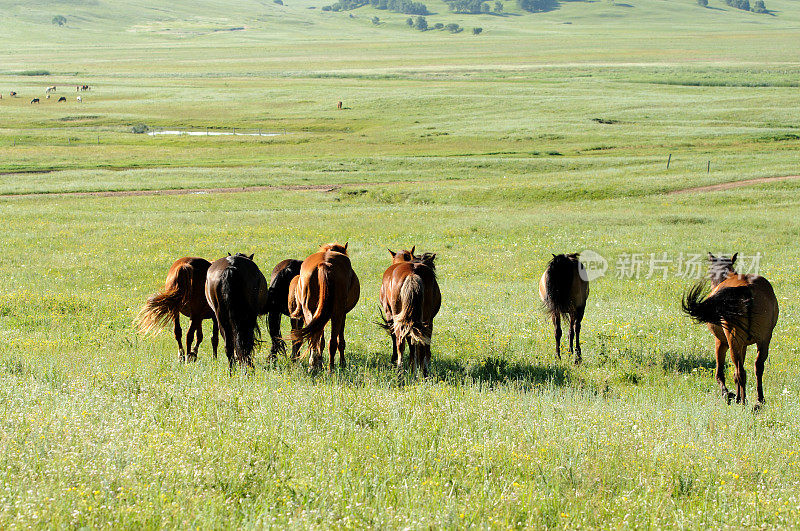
[[160, 309], [324, 306], [241, 318], [558, 285], [408, 321], [728, 307]]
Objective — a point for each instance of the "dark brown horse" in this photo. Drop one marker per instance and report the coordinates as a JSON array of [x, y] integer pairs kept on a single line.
[[279, 295], [410, 299], [238, 293], [741, 310], [183, 293], [564, 289], [326, 290]]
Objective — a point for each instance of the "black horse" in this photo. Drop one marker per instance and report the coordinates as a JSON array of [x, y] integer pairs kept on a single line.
[[279, 284], [238, 293]]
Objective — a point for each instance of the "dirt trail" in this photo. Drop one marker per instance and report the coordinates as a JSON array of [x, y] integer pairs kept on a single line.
[[733, 184], [199, 191]]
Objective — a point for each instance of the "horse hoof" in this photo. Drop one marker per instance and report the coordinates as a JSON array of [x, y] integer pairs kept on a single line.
[[578, 360], [757, 407], [728, 396]]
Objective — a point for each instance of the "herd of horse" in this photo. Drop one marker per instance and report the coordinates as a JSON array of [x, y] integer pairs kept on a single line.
[[740, 310], [51, 89]]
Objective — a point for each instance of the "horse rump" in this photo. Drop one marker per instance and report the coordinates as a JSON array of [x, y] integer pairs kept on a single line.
[[728, 307], [237, 318], [324, 307], [558, 284], [407, 324], [160, 309]]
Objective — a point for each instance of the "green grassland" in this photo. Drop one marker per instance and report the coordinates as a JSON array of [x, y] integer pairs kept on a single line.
[[494, 151]]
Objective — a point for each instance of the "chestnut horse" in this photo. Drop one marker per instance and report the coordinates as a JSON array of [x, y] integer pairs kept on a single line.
[[403, 255], [410, 299], [326, 290], [564, 289], [238, 292], [183, 293], [741, 310], [279, 296]]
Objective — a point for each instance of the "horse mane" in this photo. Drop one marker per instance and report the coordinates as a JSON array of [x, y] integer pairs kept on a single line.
[[334, 247], [720, 268], [427, 259]]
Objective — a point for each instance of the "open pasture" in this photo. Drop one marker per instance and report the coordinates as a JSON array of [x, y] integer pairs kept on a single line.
[[492, 151]]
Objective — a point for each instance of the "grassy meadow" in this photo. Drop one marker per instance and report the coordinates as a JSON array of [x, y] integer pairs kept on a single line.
[[547, 133]]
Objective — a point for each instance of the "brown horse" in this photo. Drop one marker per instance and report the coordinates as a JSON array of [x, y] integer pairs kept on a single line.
[[403, 255], [564, 289], [741, 310], [410, 299], [326, 290], [183, 293], [238, 292], [279, 300]]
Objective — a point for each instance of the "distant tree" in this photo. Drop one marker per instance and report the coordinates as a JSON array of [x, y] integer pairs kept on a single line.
[[498, 7], [376, 20], [453, 28], [470, 7], [140, 129], [59, 20], [438, 26], [759, 7], [410, 21], [485, 7], [739, 4], [279, 2], [535, 6], [421, 24], [477, 31], [702, 3], [326, 8]]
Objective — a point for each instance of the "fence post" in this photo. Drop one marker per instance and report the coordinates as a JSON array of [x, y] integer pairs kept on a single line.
[[669, 159], [708, 168]]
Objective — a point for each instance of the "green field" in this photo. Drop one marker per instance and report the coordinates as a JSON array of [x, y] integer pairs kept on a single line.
[[547, 133]]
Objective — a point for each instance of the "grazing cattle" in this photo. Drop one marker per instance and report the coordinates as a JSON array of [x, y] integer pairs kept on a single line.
[[80, 100], [183, 293], [48, 96], [339, 105], [238, 293], [740, 310], [81, 87], [48, 90], [12, 94], [62, 98], [410, 298], [564, 288], [325, 290], [35, 100], [279, 294]]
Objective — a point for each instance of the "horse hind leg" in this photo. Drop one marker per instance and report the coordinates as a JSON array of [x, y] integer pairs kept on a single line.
[[214, 336], [195, 330], [763, 352], [720, 349], [739, 374], [575, 323], [297, 324], [557, 325], [341, 343], [179, 337]]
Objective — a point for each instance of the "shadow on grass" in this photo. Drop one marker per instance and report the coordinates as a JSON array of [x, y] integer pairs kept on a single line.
[[684, 363], [493, 370]]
